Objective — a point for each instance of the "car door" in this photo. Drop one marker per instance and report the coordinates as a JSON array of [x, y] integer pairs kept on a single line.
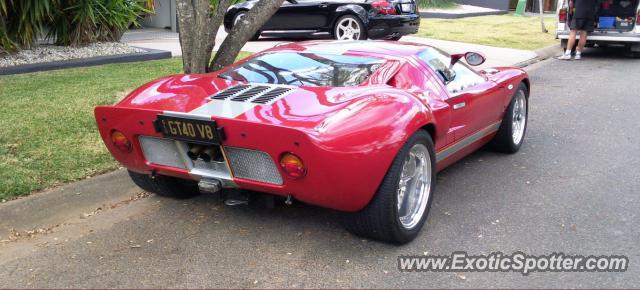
[[299, 15], [474, 100]]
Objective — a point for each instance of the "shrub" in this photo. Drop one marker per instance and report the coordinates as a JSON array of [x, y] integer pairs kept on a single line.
[[69, 22], [85, 21], [22, 21], [6, 44]]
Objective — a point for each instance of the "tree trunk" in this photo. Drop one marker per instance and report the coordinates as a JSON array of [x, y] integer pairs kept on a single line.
[[199, 25], [197, 33], [240, 34], [544, 28]]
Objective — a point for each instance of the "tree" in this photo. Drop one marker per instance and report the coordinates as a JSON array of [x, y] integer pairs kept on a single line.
[[544, 28], [199, 21]]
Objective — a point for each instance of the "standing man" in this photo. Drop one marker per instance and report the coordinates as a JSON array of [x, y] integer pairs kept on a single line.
[[582, 21]]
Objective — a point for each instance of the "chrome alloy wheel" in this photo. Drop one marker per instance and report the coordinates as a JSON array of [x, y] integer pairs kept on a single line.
[[348, 29], [414, 187], [519, 118]]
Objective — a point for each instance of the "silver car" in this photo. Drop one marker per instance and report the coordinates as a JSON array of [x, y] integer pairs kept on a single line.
[[622, 28]]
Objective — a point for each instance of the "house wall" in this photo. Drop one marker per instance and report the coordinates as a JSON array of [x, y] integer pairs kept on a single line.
[[164, 17], [493, 4]]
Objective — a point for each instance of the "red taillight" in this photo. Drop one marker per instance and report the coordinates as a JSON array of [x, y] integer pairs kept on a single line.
[[384, 7], [292, 165], [637, 18], [120, 141], [562, 15]]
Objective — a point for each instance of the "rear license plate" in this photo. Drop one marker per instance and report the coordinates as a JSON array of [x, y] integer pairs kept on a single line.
[[190, 130], [406, 7]]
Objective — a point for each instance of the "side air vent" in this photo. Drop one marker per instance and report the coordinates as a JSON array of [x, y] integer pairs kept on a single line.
[[250, 93], [223, 95], [270, 95]]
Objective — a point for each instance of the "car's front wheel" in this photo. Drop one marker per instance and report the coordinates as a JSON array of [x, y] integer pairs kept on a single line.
[[510, 136], [400, 207], [165, 185], [349, 27]]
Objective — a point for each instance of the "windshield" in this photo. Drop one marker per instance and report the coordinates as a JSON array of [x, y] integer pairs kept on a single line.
[[305, 69]]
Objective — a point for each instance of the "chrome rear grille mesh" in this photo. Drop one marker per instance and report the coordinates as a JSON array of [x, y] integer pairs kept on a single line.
[[245, 163], [161, 151], [253, 165]]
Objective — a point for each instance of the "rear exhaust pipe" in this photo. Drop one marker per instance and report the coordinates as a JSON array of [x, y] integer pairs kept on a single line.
[[194, 152], [209, 185], [208, 154]]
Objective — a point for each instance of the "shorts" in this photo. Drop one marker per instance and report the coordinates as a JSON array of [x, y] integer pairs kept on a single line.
[[582, 24]]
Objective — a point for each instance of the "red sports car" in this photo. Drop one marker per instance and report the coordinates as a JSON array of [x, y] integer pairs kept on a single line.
[[361, 127]]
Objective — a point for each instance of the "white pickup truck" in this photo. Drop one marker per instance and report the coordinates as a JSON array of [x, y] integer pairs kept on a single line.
[[624, 30]]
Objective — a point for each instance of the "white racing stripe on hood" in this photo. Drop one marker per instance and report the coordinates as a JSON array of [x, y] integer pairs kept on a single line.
[[225, 109], [240, 102]]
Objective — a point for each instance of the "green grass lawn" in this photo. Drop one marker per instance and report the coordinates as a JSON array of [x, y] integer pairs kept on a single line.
[[440, 4], [48, 134], [499, 30]]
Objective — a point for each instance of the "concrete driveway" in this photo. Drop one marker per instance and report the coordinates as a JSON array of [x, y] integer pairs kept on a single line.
[[167, 40], [573, 188]]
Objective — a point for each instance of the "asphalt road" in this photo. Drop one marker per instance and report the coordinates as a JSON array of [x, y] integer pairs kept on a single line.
[[573, 188]]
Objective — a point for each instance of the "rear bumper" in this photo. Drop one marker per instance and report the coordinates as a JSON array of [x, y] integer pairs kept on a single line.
[[335, 179], [393, 25], [605, 36]]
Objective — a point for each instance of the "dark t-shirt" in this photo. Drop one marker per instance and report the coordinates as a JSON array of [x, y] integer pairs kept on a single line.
[[585, 8]]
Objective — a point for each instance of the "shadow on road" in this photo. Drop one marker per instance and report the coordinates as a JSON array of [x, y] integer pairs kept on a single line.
[[612, 52]]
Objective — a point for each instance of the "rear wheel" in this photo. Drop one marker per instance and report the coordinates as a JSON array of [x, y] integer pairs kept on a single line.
[[349, 27], [400, 207], [510, 136], [241, 15], [165, 185]]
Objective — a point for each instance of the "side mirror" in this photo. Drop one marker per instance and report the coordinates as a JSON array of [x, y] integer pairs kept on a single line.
[[472, 58]]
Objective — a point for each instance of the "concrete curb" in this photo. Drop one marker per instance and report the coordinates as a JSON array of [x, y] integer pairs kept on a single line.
[[542, 54], [149, 54], [442, 15], [54, 207]]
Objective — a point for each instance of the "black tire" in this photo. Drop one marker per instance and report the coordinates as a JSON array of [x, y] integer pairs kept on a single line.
[[503, 141], [363, 29], [165, 185], [632, 51], [241, 14], [395, 38], [379, 220]]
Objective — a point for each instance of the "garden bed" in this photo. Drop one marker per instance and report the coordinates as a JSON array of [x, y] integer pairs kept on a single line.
[[51, 53], [50, 57]]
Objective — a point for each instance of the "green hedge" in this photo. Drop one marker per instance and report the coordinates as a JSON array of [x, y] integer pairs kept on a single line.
[[67, 22]]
